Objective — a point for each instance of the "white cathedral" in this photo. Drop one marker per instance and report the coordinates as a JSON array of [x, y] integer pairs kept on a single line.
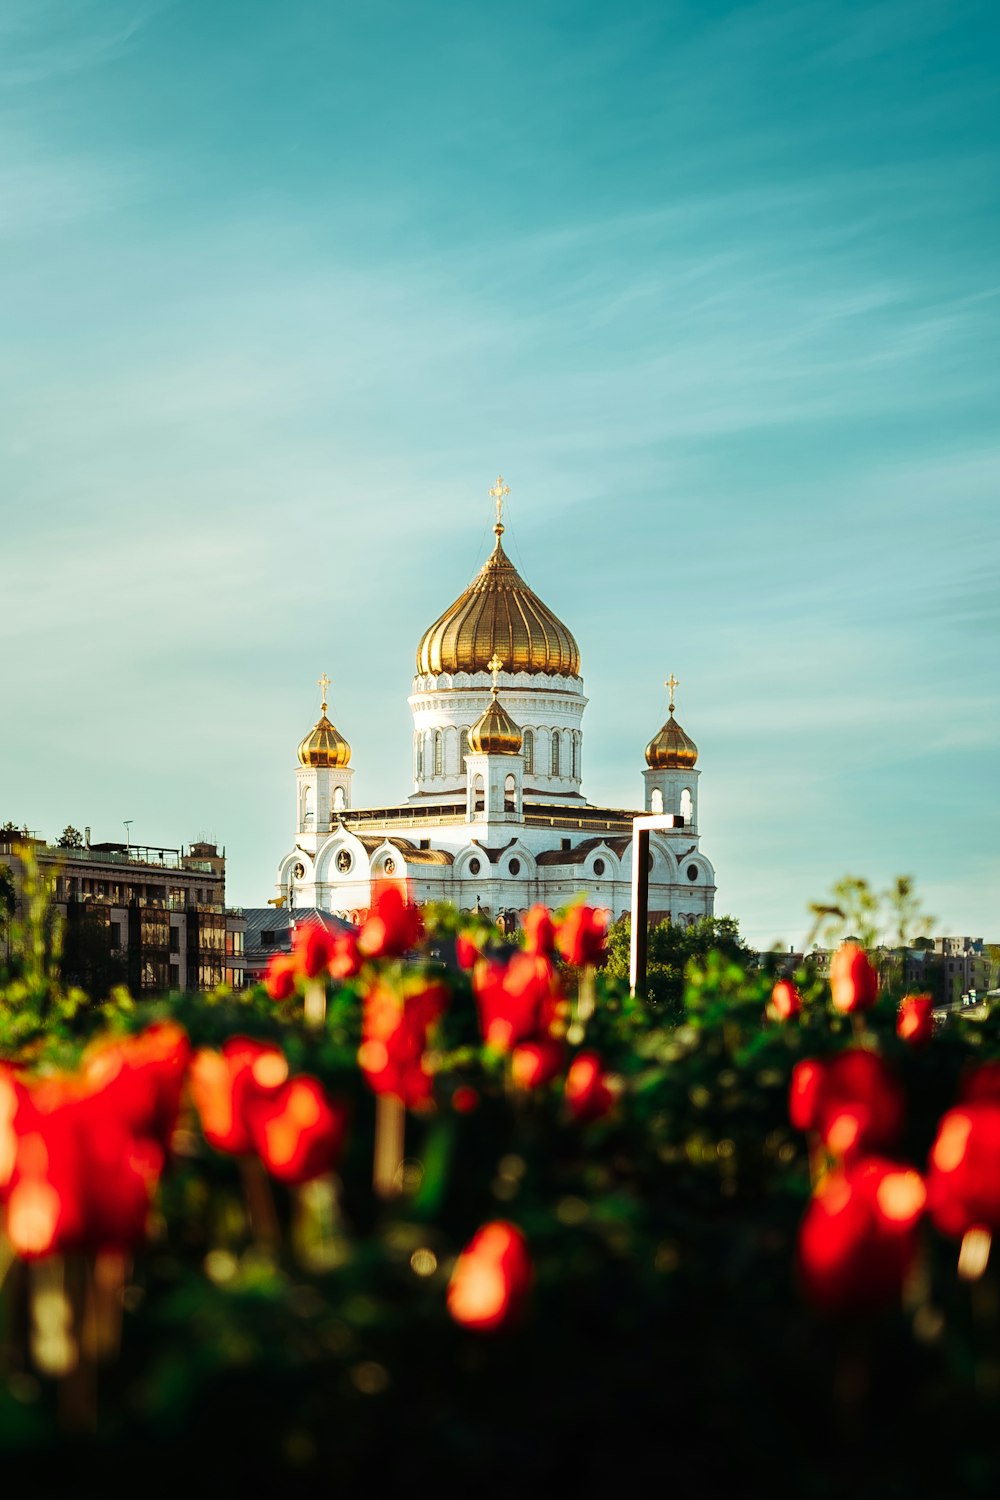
[[496, 820]]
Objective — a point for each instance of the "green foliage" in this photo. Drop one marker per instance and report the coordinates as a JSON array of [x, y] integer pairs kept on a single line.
[[70, 838], [869, 917], [671, 950]]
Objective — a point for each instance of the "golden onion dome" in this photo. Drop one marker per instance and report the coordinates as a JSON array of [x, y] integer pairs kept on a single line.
[[324, 747], [495, 732], [498, 615], [671, 749]]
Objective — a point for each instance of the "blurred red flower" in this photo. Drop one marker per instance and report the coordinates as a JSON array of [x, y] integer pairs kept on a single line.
[[858, 1237], [539, 931], [914, 1021], [491, 1278], [222, 1083], [533, 1064], [394, 1032], [394, 925], [517, 1000], [312, 949], [281, 975], [467, 949], [297, 1131], [964, 1179], [580, 935], [587, 1092], [852, 1099], [853, 979], [786, 1002]]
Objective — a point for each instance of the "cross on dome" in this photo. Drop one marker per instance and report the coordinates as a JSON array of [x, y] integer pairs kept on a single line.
[[671, 684], [323, 683], [500, 491], [495, 665]]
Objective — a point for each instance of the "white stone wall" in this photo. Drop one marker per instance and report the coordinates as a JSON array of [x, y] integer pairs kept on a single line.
[[447, 704]]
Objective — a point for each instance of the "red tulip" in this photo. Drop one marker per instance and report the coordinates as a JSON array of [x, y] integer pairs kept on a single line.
[[587, 1092], [141, 1078], [297, 1132], [394, 1032], [853, 980], [580, 935], [964, 1179], [539, 931], [786, 1002], [345, 958], [803, 1094], [223, 1082], [394, 925], [517, 1000], [858, 1238], [280, 976], [467, 949], [312, 949], [852, 1099], [914, 1021], [491, 1278], [534, 1064], [464, 1100]]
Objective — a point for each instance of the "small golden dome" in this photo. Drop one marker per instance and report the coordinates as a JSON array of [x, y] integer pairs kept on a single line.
[[671, 749], [495, 733], [498, 614], [324, 747]]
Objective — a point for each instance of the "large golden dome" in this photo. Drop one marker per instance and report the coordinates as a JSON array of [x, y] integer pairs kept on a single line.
[[671, 749], [495, 732], [498, 615]]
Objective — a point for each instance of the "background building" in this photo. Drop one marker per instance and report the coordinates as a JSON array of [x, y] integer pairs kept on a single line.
[[150, 916]]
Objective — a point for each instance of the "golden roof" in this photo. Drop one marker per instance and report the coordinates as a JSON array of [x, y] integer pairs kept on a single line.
[[495, 732], [671, 749], [324, 747], [498, 615]]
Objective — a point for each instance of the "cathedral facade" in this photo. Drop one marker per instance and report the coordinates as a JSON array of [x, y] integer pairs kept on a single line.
[[496, 819]]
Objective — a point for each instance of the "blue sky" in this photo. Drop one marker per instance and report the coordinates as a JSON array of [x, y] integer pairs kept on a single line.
[[716, 287]]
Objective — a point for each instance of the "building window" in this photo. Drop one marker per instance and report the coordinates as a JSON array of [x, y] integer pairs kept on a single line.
[[463, 748], [575, 756], [692, 872], [515, 867], [529, 751], [656, 800], [339, 799], [474, 867], [439, 754], [509, 794], [478, 795], [598, 867], [555, 753], [686, 805]]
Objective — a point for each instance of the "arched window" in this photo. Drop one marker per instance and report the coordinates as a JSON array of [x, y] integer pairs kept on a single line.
[[509, 793], [308, 811], [656, 801], [339, 799], [686, 805], [439, 754], [478, 795], [463, 748], [576, 754], [529, 752], [555, 753], [420, 755]]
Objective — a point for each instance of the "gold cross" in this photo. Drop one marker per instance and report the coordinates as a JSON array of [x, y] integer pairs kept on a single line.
[[500, 491], [323, 683], [495, 665], [670, 684]]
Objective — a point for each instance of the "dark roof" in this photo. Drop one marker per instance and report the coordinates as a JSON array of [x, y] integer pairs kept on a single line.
[[578, 855], [275, 920], [493, 854]]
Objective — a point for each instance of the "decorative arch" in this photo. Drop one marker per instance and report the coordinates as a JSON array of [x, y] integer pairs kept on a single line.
[[438, 753], [555, 758], [528, 751]]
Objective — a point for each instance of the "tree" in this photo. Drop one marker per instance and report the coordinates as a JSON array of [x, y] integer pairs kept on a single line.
[[70, 838], [670, 950], [857, 913]]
